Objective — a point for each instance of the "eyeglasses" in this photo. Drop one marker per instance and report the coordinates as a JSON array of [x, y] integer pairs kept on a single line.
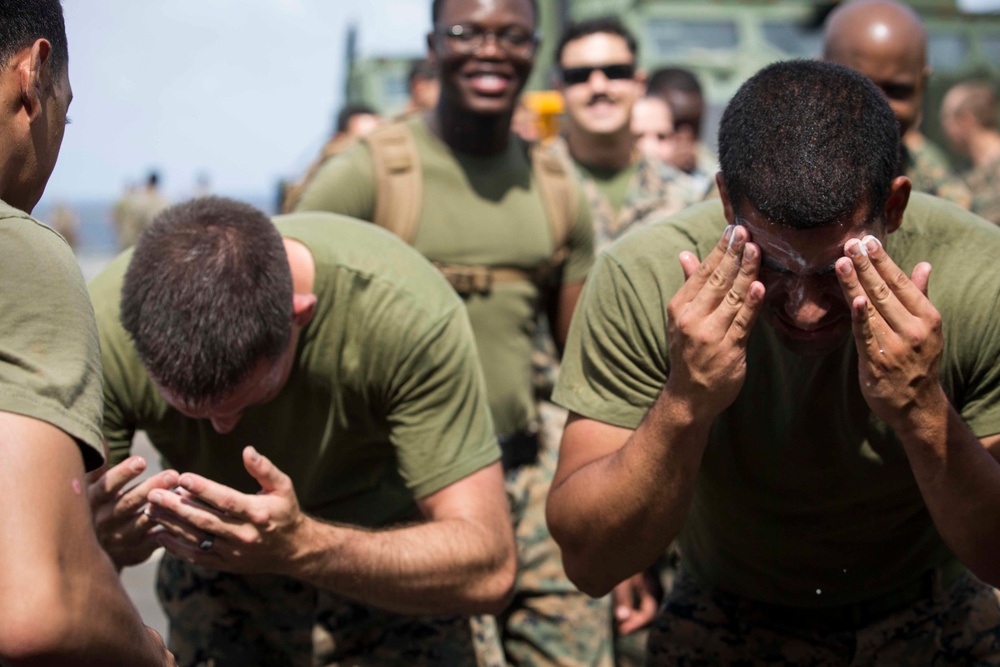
[[574, 75], [466, 39]]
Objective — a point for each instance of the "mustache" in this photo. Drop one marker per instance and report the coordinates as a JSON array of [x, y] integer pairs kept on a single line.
[[599, 97]]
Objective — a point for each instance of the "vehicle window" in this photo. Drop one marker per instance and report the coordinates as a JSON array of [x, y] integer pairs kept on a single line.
[[672, 37], [793, 38], [948, 50]]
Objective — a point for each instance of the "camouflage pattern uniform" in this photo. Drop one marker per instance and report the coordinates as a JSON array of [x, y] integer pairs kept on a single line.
[[955, 621], [927, 167], [985, 185], [576, 632], [219, 619]]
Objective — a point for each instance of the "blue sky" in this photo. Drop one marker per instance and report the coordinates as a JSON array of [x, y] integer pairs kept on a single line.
[[243, 90]]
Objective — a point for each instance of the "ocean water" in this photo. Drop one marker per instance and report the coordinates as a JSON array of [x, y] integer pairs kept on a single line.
[[96, 242]]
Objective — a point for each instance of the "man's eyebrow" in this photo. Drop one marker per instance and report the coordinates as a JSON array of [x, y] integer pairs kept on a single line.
[[771, 264]]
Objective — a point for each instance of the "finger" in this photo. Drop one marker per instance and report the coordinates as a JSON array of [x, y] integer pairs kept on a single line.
[[135, 498], [861, 322], [721, 280], [622, 600], [223, 498], [921, 277], [108, 485], [188, 517], [270, 478], [643, 614], [865, 323], [739, 291], [697, 274], [744, 320], [885, 285], [186, 550]]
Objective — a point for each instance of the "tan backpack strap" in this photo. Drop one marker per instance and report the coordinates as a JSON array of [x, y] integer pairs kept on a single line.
[[398, 183], [559, 194]]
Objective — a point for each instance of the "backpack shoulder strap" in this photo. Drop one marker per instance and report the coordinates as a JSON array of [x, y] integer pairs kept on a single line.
[[398, 183], [558, 189]]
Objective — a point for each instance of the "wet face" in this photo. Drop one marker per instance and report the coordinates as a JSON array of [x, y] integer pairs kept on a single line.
[[262, 386], [803, 300], [601, 103], [653, 128], [485, 49]]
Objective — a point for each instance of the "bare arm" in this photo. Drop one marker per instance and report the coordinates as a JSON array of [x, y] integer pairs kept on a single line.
[[615, 486], [461, 560], [899, 340], [54, 574]]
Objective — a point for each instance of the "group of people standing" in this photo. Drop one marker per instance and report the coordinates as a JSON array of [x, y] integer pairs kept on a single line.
[[774, 437]]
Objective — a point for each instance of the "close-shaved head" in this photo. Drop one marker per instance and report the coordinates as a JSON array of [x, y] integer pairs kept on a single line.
[[969, 117], [886, 41]]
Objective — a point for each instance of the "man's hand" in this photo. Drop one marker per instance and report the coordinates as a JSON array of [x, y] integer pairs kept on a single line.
[[635, 602], [709, 322], [168, 657], [245, 533], [123, 529], [898, 333]]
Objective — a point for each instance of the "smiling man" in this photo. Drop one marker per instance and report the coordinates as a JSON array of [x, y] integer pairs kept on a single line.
[[810, 413], [508, 226], [600, 83], [335, 495]]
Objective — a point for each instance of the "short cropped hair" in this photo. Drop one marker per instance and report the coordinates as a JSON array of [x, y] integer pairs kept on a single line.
[[611, 25], [672, 78], [349, 112], [422, 68], [24, 21], [806, 143], [438, 5], [207, 296]]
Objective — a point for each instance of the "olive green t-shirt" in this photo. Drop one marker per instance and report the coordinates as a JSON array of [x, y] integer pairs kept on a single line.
[[481, 211], [804, 497], [50, 365], [385, 402]]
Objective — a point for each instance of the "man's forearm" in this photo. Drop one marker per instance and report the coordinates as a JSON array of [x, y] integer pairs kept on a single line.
[[638, 495], [960, 482], [444, 566]]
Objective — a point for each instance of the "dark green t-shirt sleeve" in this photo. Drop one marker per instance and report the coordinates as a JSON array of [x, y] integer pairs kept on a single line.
[[439, 418], [345, 184], [580, 243], [49, 355], [614, 365]]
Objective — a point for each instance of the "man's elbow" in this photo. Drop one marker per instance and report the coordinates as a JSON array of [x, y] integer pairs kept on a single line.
[[496, 589], [594, 581]]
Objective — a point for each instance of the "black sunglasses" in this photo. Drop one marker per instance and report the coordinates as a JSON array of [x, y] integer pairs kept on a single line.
[[574, 75]]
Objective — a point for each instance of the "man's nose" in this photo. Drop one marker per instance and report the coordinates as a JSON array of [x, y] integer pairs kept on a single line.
[[807, 303]]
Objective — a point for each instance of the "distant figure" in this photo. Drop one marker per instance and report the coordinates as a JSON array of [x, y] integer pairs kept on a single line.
[[136, 209], [202, 185], [969, 119], [353, 122], [425, 86], [653, 128], [64, 220], [680, 89], [526, 123], [886, 41]]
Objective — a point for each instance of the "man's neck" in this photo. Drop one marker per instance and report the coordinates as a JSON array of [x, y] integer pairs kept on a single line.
[[985, 148], [472, 134], [604, 151]]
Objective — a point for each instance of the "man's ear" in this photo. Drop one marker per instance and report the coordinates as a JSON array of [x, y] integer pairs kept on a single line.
[[727, 205], [895, 205], [303, 309], [32, 69]]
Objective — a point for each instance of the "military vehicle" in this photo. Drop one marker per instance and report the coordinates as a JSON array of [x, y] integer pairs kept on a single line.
[[724, 42]]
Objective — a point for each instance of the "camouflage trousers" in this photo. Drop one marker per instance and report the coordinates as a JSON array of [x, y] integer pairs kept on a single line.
[[959, 625], [219, 619], [550, 622]]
